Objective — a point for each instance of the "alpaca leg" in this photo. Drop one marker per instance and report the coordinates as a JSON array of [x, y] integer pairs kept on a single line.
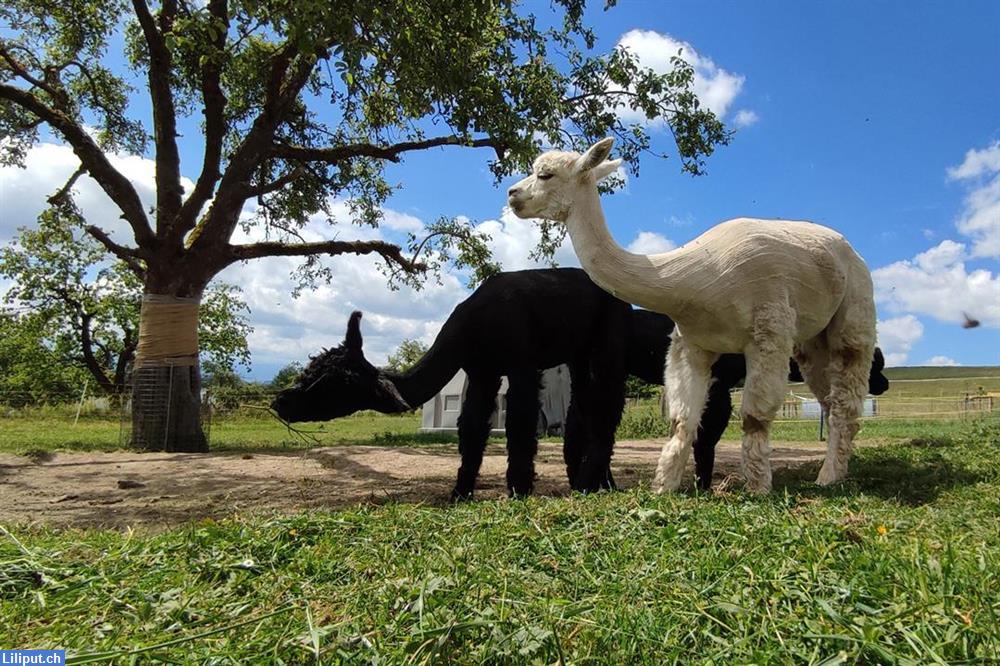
[[813, 358], [851, 340], [474, 425], [767, 377], [607, 388], [576, 437], [522, 431], [688, 375], [713, 423]]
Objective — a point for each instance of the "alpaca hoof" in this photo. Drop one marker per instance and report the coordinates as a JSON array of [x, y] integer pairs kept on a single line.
[[518, 493], [665, 483], [828, 476], [591, 488], [759, 488]]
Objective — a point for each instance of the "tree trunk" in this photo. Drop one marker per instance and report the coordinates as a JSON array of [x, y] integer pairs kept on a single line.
[[166, 409], [166, 381]]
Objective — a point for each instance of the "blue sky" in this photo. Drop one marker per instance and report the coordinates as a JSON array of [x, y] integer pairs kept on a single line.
[[881, 120]]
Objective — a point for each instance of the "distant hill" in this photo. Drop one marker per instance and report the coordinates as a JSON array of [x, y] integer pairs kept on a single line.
[[942, 372]]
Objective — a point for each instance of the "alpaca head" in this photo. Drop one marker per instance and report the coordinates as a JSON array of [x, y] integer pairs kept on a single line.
[[877, 382], [558, 178], [339, 382]]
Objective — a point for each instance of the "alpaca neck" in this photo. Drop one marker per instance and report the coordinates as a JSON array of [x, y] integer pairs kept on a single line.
[[645, 280], [435, 369]]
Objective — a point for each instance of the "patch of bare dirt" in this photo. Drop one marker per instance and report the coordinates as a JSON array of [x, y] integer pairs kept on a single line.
[[162, 489]]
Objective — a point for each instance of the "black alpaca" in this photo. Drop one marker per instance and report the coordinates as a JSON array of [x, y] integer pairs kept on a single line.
[[515, 325], [511, 325]]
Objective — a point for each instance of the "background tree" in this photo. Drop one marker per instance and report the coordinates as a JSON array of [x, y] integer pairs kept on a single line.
[[301, 102], [406, 355], [31, 371], [286, 376], [636, 389], [84, 304]]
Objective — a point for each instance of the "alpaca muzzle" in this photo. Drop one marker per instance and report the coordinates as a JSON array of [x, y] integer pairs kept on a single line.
[[392, 393]]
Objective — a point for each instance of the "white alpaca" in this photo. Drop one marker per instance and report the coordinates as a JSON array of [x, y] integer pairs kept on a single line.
[[766, 289]]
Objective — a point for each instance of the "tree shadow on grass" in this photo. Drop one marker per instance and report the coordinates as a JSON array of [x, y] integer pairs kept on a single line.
[[913, 474]]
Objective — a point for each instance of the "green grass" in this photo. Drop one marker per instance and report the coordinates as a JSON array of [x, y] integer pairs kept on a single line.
[[642, 420], [938, 372], [898, 565], [242, 432]]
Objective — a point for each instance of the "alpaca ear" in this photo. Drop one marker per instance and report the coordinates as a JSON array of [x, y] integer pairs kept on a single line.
[[595, 155], [352, 341], [606, 168]]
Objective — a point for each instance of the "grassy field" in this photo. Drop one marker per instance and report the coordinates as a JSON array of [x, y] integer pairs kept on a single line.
[[240, 432], [641, 421], [54, 429], [898, 565], [938, 372]]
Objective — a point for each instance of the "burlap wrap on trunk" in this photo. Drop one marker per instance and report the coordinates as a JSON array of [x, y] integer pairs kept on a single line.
[[168, 331]]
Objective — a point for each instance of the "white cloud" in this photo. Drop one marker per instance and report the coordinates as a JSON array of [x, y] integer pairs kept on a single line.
[[939, 257], [745, 118], [937, 283], [513, 239], [977, 163], [650, 242], [897, 336], [941, 361], [401, 221], [23, 192], [715, 87], [287, 329], [980, 218]]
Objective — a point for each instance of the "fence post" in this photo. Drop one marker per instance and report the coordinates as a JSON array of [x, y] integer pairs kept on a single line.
[[80, 405], [822, 420]]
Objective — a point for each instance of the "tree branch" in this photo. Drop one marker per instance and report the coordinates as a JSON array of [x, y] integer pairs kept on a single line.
[[392, 254], [22, 72], [125, 357], [214, 102], [86, 342], [63, 191], [277, 183], [126, 254], [168, 161], [391, 153], [114, 184], [281, 90]]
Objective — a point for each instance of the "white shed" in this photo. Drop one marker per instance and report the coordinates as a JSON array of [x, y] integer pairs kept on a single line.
[[440, 413], [811, 409]]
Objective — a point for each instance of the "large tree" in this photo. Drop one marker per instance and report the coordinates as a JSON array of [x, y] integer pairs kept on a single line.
[[302, 101]]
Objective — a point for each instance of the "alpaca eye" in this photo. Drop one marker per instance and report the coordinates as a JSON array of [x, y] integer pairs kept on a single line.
[[544, 176]]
